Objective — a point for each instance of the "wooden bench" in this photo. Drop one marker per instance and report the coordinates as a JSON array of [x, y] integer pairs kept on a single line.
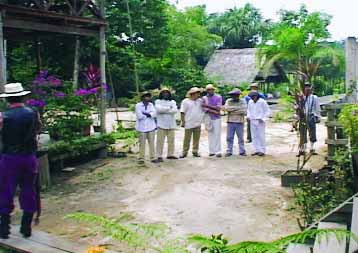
[[40, 242], [57, 162]]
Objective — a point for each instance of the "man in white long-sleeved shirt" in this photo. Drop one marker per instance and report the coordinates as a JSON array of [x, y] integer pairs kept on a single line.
[[146, 126], [258, 112], [166, 109]]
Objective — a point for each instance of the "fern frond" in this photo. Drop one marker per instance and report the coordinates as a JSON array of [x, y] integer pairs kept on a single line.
[[112, 228], [253, 247]]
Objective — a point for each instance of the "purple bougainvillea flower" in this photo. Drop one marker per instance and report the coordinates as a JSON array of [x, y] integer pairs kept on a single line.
[[105, 86], [93, 90], [93, 75], [82, 92], [40, 92], [54, 81], [60, 94], [36, 103]]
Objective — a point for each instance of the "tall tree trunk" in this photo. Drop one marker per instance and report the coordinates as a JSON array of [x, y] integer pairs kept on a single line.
[[76, 63]]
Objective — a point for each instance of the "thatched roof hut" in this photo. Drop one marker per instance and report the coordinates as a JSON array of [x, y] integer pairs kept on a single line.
[[237, 66]]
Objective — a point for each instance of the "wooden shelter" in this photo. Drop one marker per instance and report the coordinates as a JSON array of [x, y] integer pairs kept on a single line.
[[237, 66], [29, 19]]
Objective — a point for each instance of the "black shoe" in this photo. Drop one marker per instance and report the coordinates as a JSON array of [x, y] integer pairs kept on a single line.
[[228, 154], [160, 160], [4, 226], [26, 222], [196, 155], [219, 155], [183, 155], [211, 155], [256, 153], [261, 154], [313, 152], [172, 157], [155, 161], [243, 154]]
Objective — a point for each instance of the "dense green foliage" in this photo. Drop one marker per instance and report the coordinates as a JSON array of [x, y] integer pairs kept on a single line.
[[176, 44], [239, 27], [154, 237], [297, 43], [316, 200], [349, 119]]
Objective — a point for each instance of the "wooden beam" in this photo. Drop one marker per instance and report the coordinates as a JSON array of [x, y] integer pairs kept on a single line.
[[37, 26], [13, 9]]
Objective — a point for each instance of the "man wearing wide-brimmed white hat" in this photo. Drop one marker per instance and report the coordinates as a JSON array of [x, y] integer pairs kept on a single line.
[[191, 117], [18, 165]]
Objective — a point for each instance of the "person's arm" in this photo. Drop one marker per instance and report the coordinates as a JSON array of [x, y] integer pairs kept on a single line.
[[267, 111], [317, 107], [139, 113], [152, 112], [161, 108], [174, 107], [242, 108], [249, 110]]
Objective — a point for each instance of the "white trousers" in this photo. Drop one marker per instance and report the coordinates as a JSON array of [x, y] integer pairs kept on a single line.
[[258, 129], [215, 137]]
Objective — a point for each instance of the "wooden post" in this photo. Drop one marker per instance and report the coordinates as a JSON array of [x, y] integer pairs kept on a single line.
[[351, 69], [102, 36], [2, 56], [38, 55], [76, 63]]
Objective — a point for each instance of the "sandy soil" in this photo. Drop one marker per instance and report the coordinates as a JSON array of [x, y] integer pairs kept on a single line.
[[239, 197]]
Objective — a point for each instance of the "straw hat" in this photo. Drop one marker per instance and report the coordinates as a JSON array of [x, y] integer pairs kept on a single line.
[[167, 89], [210, 87], [235, 92], [194, 90], [145, 94], [256, 85], [14, 90]]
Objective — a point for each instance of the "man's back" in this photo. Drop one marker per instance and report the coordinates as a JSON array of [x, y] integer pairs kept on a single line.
[[20, 125]]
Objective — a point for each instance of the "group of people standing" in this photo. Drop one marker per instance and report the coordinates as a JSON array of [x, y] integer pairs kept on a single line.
[[196, 110]]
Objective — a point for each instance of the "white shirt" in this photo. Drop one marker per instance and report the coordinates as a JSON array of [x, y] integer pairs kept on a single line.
[[166, 111], [145, 124], [312, 105], [259, 110], [193, 112]]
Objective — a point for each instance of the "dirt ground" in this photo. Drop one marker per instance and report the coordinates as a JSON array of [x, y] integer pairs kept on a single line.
[[239, 197]]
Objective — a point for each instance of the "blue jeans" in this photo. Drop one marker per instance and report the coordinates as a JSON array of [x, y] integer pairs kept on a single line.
[[237, 128]]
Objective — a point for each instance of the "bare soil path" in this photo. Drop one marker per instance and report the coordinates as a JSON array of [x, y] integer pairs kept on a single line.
[[239, 197]]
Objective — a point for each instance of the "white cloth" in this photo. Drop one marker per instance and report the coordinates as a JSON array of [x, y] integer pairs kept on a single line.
[[193, 112], [312, 106], [145, 124], [214, 136], [258, 131], [259, 110], [165, 112]]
